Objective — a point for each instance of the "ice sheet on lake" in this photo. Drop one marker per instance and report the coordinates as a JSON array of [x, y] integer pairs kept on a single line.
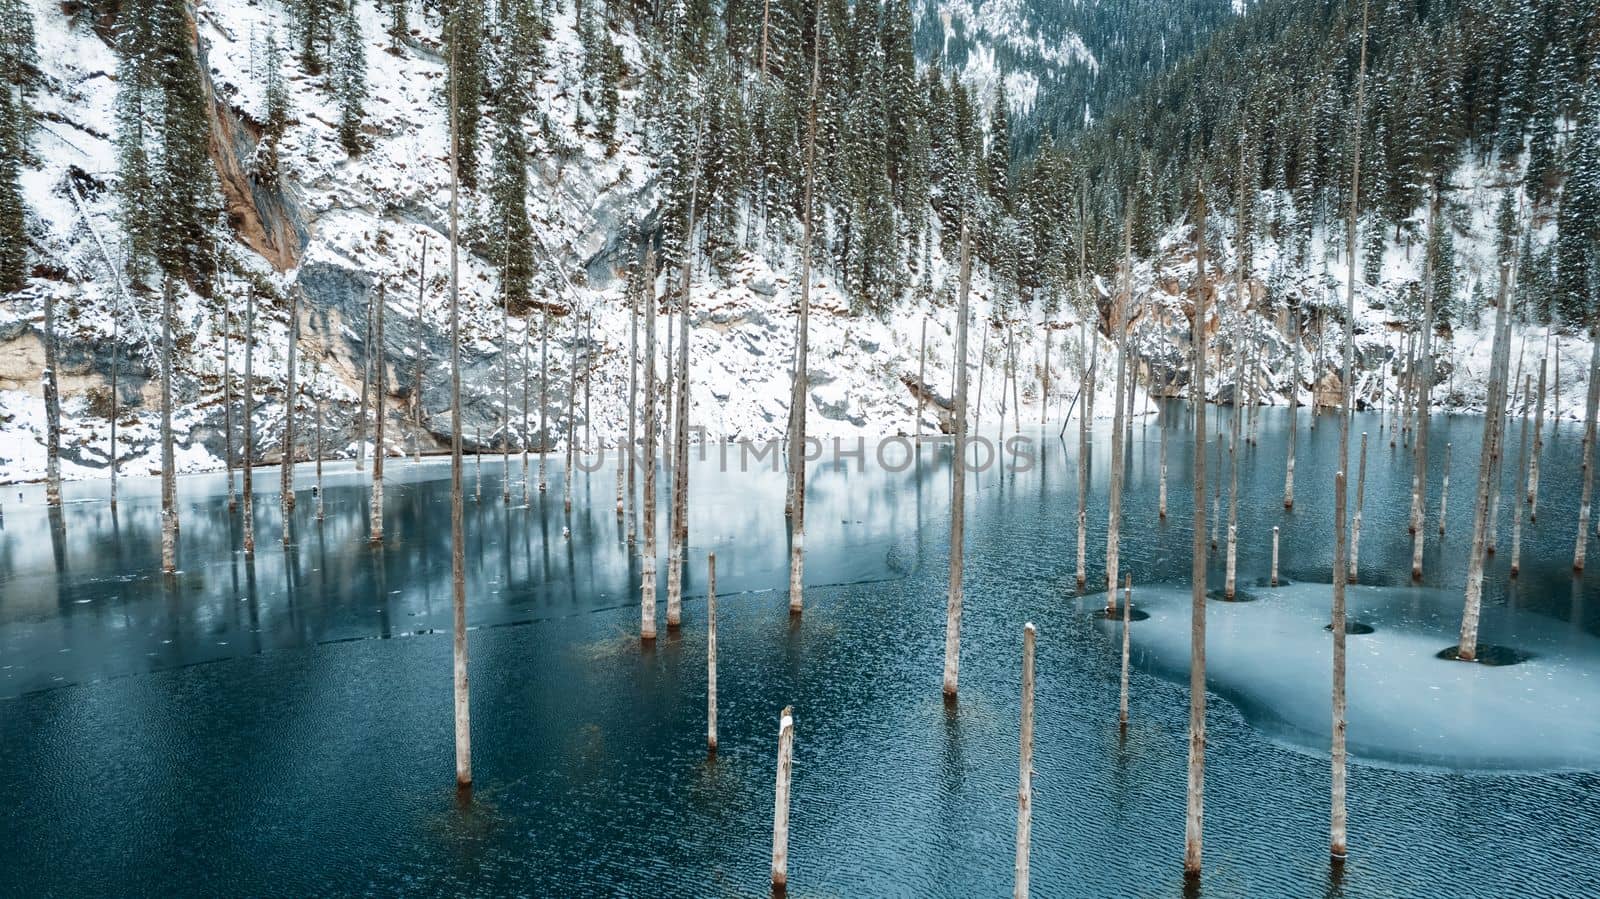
[[1273, 659]]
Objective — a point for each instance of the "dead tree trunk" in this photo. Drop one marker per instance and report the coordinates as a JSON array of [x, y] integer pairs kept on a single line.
[[1114, 515], [1581, 550], [633, 408], [1467, 650], [416, 387], [572, 414], [1516, 508], [381, 371], [1444, 489], [1127, 619], [458, 551], [802, 390], [958, 485], [678, 528], [1084, 387], [711, 652], [1194, 817], [1538, 447], [1338, 821], [366, 392], [248, 413], [647, 581], [1361, 493], [116, 366], [52, 404], [227, 399], [317, 397], [922, 380], [780, 803], [291, 398], [169, 512], [544, 394], [1025, 768], [1294, 408]]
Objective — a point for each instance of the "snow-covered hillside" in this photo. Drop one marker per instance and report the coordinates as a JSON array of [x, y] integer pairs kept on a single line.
[[340, 227]]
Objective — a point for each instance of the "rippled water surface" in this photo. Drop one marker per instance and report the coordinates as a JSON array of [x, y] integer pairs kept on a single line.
[[282, 726]]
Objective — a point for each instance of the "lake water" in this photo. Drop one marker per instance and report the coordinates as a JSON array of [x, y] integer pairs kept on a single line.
[[283, 726]]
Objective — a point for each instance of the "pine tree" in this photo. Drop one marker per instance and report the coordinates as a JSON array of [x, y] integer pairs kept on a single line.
[[19, 60], [13, 224], [1578, 221], [512, 248], [998, 165], [463, 40], [314, 26], [350, 80], [277, 115]]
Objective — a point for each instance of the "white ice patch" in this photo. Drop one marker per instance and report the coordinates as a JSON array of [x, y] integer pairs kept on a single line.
[[1273, 659]]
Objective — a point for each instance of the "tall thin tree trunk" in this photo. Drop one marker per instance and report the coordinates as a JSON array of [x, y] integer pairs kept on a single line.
[[1044, 374], [572, 414], [291, 398], [1444, 489], [375, 361], [983, 364], [633, 410], [544, 393], [922, 380], [52, 403], [1516, 508], [317, 398], [958, 484], [1581, 549], [1538, 447], [711, 651], [1337, 834], [1025, 768], [366, 393], [227, 396], [1085, 388], [458, 551], [248, 413], [677, 528], [1127, 619], [1194, 817], [505, 397], [1467, 650], [802, 389], [1235, 421], [1294, 408], [780, 803], [1419, 469], [169, 523], [116, 366], [1361, 493], [416, 387], [647, 582], [1114, 515], [1161, 425]]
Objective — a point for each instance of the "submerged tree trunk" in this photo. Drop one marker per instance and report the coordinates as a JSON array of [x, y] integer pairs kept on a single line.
[[1337, 825], [291, 398], [1127, 619], [248, 414], [1516, 507], [572, 413], [647, 581], [1581, 550], [52, 404], [633, 410], [1288, 471], [544, 393], [1444, 489], [780, 802], [802, 389], [1114, 515], [1538, 447], [1084, 387], [1361, 493], [116, 365], [227, 399], [169, 512], [958, 484], [1419, 469], [711, 651], [1025, 768], [1467, 650], [381, 371], [416, 387], [922, 380], [458, 562], [317, 397], [505, 398], [1194, 817], [677, 528], [366, 392]]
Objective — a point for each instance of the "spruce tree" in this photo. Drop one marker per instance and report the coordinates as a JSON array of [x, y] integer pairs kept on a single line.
[[13, 225], [512, 246], [463, 40], [350, 80], [1578, 221], [277, 115]]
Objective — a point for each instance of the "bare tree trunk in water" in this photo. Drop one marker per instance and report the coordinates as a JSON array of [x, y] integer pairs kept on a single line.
[[248, 413], [1127, 619], [291, 398], [711, 651], [1194, 817], [1161, 425], [1419, 469], [677, 527], [458, 552], [227, 398], [505, 398], [1114, 515], [52, 405], [1084, 387], [647, 581], [780, 803], [1361, 493], [318, 398], [1538, 447], [633, 411], [1337, 825], [1235, 421], [169, 514], [958, 484], [802, 389], [366, 393], [544, 393], [572, 414], [1580, 552], [116, 365], [1467, 650], [375, 354], [1516, 507], [922, 380], [1025, 768], [416, 388], [1294, 408], [983, 363]]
